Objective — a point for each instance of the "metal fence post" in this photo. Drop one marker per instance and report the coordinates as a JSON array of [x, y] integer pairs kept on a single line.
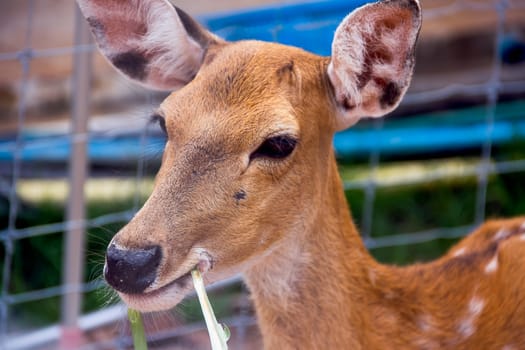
[[78, 165]]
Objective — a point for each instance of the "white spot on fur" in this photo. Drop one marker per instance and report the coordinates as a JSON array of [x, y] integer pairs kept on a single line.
[[522, 227], [508, 347], [492, 265], [460, 252], [466, 327], [424, 323], [475, 306], [267, 273], [501, 234]]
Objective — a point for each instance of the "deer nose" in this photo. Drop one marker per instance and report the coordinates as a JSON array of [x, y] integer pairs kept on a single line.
[[131, 271]]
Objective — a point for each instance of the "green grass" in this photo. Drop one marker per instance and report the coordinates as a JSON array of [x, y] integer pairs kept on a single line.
[[446, 203], [37, 261]]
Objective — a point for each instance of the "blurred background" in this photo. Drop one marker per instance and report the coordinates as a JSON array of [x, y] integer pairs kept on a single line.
[[77, 158]]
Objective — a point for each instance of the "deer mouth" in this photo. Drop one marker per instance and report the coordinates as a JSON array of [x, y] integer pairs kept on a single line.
[[162, 298], [168, 295]]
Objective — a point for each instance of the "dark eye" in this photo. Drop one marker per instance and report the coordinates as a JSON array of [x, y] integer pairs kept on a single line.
[[277, 147], [157, 118]]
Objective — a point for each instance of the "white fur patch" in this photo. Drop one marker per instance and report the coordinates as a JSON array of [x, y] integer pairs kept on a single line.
[[501, 234], [475, 306], [492, 265], [460, 251], [273, 281], [424, 323], [466, 327]]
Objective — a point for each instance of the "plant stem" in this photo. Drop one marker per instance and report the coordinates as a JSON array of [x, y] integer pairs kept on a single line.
[[137, 330], [218, 334]]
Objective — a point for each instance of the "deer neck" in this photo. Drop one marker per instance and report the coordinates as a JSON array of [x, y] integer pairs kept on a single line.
[[310, 286]]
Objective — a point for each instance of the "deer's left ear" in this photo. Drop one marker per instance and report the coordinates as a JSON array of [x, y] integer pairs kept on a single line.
[[151, 42], [373, 59]]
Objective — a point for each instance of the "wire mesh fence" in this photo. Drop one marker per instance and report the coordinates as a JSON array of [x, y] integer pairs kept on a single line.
[[27, 155]]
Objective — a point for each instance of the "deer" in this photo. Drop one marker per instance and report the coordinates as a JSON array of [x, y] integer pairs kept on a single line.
[[248, 183]]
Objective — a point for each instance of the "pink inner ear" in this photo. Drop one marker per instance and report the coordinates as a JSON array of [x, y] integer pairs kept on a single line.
[[147, 40], [386, 48], [122, 30], [114, 23], [372, 58]]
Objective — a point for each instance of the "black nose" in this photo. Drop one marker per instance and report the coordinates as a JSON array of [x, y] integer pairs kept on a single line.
[[131, 270]]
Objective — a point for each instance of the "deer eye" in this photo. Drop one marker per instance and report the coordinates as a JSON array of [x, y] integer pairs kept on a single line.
[[276, 147]]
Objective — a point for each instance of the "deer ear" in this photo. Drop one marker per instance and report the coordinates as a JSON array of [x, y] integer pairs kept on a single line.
[[373, 59], [150, 41]]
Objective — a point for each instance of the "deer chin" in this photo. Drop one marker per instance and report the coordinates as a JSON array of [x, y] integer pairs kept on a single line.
[[168, 295]]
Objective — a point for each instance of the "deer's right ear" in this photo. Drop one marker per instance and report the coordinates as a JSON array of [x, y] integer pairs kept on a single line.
[[373, 59], [150, 41]]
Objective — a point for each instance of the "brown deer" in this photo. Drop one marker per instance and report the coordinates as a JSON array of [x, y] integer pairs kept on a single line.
[[249, 183]]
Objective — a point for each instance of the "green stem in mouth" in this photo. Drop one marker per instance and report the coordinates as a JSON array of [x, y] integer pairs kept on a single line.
[[219, 334], [137, 330]]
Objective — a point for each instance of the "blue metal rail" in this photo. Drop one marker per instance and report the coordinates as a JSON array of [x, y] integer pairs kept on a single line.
[[311, 26], [437, 132]]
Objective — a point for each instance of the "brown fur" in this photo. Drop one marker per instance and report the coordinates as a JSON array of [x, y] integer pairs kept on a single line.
[[285, 223]]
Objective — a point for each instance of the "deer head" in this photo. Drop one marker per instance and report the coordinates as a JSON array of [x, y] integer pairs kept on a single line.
[[249, 130]]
